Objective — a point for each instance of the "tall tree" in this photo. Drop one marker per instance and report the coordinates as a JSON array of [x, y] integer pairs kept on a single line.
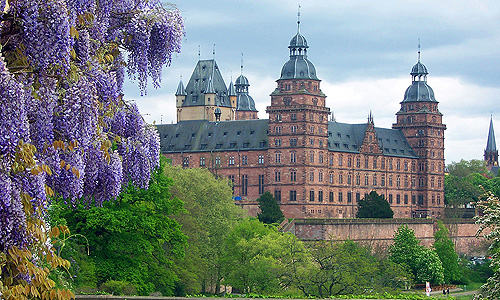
[[341, 268], [259, 259], [489, 224], [445, 249], [374, 206], [210, 214], [270, 211], [407, 251], [65, 129]]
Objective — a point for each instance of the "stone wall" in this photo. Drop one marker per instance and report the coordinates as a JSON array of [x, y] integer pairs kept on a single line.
[[379, 233]]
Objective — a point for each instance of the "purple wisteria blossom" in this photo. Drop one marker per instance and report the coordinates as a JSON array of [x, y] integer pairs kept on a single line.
[[65, 128]]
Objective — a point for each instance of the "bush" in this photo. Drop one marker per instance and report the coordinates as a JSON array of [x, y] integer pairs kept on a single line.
[[115, 287]]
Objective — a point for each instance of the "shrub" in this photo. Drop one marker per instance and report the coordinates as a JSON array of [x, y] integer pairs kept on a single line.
[[116, 287]]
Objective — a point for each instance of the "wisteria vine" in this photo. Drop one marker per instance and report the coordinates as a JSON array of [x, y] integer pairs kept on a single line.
[[66, 129]]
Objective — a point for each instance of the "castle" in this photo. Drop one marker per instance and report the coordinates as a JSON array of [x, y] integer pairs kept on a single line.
[[314, 167]]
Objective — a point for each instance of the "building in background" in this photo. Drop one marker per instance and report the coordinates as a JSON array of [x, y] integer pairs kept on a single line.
[[315, 167], [491, 152]]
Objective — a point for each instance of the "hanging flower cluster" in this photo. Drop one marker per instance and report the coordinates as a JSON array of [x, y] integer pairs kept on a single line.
[[65, 129]]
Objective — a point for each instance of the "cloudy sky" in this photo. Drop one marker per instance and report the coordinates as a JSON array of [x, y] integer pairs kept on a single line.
[[363, 52]]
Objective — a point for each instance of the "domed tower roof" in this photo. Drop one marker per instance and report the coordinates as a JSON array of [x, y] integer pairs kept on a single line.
[[298, 41], [419, 69], [298, 67], [419, 90], [241, 81], [244, 102]]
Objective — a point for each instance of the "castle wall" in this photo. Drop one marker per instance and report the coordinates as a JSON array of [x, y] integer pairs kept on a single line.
[[379, 233]]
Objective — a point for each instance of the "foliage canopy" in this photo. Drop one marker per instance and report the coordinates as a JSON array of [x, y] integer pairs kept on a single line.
[[424, 263], [132, 239], [209, 216]]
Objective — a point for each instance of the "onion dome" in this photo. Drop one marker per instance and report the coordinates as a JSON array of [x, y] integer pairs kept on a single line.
[[298, 67], [181, 91], [419, 90]]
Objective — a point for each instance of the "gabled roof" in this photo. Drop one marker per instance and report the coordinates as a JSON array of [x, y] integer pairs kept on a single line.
[[202, 135], [199, 81], [349, 137]]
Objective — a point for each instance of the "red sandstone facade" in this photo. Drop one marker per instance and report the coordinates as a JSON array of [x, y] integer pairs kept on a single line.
[[318, 168]]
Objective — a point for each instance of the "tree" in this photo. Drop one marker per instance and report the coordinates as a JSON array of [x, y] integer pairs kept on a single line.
[[259, 259], [459, 191], [489, 224], [65, 129], [463, 168], [374, 206], [248, 259], [424, 263], [445, 249], [210, 214], [270, 211], [341, 268], [132, 239]]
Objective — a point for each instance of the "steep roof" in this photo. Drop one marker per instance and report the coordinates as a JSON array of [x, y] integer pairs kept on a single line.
[[200, 81], [202, 135], [349, 137], [491, 145]]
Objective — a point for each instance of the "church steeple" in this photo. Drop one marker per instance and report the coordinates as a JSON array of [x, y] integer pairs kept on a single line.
[[491, 145], [491, 152]]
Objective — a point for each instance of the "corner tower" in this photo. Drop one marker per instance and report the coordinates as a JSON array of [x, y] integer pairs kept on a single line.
[[421, 122], [298, 131]]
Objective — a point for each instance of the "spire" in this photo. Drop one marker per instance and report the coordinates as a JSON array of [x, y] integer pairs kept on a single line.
[[181, 91], [199, 52], [370, 117], [418, 49], [491, 144], [210, 87], [241, 66], [298, 20], [231, 91]]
